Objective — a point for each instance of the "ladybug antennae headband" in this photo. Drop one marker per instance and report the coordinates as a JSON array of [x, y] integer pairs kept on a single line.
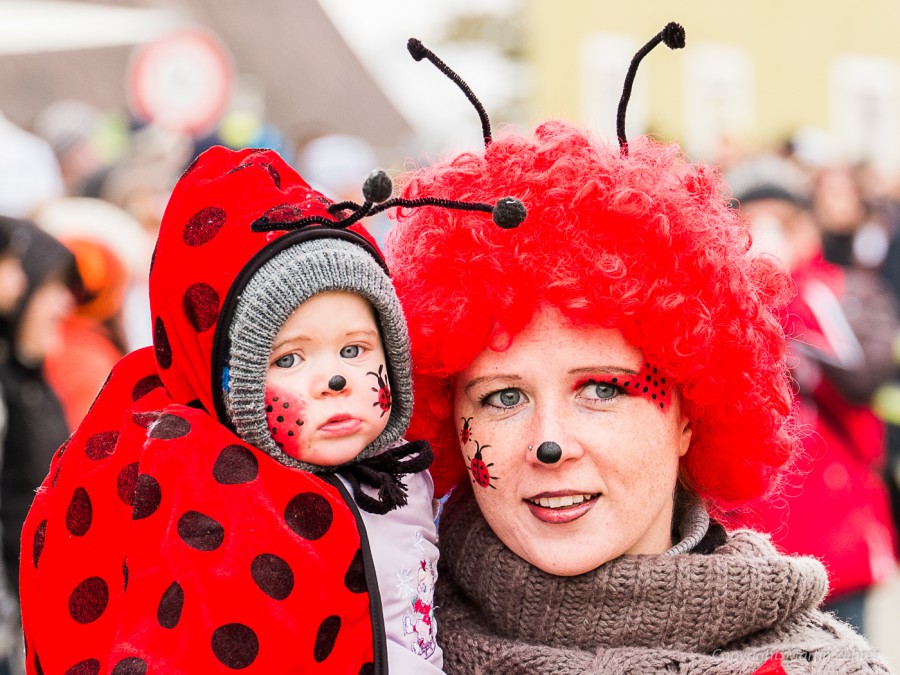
[[673, 36], [507, 213], [419, 51]]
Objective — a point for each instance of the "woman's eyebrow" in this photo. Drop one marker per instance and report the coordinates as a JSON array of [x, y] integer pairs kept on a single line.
[[488, 378], [617, 370]]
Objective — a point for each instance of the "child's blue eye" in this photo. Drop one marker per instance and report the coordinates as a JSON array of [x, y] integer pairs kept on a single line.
[[350, 352], [286, 361]]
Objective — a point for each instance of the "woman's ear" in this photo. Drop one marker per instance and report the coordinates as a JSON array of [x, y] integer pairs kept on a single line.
[[686, 435]]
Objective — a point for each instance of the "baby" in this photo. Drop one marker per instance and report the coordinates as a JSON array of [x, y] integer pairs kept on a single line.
[[240, 496]]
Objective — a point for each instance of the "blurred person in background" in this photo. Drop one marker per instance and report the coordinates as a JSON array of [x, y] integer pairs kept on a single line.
[[859, 216], [12, 286], [29, 172], [841, 325], [112, 253], [71, 127], [32, 329]]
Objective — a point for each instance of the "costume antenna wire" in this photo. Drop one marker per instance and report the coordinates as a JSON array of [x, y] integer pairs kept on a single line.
[[419, 51], [673, 36]]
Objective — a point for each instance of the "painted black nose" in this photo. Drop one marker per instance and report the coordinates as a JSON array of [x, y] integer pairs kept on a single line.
[[549, 452], [337, 383]]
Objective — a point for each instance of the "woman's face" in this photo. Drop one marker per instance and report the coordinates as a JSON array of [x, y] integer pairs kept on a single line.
[[619, 434]]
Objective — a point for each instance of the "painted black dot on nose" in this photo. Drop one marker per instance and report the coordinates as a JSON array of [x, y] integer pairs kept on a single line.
[[549, 452], [337, 383]]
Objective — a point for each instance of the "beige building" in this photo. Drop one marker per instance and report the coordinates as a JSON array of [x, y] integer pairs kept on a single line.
[[752, 73]]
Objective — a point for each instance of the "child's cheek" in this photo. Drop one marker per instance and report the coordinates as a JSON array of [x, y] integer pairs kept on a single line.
[[285, 417]]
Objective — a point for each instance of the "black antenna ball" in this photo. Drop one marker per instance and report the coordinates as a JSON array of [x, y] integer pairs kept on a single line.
[[416, 49], [378, 187], [673, 35], [509, 213]]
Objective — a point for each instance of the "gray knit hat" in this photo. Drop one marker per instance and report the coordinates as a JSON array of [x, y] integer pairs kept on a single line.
[[282, 284]]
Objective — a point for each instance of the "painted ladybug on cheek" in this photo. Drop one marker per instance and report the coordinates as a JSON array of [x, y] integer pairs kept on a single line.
[[383, 391], [466, 432], [481, 474]]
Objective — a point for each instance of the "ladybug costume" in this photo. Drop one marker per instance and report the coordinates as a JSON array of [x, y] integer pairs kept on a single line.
[[161, 541]]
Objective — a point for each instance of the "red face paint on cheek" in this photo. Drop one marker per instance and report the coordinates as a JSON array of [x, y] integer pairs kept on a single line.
[[285, 418]]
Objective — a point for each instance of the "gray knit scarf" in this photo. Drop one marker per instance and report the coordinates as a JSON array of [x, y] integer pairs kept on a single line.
[[727, 611]]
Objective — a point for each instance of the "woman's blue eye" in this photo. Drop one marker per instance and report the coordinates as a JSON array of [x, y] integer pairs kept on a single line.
[[350, 352], [505, 398], [601, 391], [286, 361], [605, 390]]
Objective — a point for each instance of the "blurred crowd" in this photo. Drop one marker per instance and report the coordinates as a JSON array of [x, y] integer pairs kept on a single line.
[[82, 193]]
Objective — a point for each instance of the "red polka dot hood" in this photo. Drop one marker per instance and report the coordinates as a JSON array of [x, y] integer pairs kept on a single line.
[[160, 542]]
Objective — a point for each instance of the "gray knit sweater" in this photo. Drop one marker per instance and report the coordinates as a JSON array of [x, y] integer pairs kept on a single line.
[[727, 611]]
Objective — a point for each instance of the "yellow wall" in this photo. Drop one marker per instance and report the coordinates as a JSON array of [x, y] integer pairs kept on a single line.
[[792, 43]]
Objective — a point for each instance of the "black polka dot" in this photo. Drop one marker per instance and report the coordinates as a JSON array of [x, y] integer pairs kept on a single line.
[[147, 497], [37, 546], [125, 575], [235, 645], [161, 345], [169, 426], [309, 515], [203, 226], [355, 578], [153, 256], [201, 306], [169, 611], [278, 215], [61, 450], [86, 667], [144, 386], [101, 444], [234, 465], [130, 665], [145, 419], [89, 599], [56, 475], [273, 575], [80, 513], [127, 482], [367, 669], [325, 638], [201, 532]]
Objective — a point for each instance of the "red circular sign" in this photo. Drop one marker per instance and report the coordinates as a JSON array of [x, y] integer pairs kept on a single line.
[[181, 82]]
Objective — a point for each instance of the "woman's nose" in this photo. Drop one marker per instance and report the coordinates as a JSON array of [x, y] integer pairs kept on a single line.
[[550, 444]]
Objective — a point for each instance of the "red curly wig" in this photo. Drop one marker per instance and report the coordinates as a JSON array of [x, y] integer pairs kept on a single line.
[[644, 242]]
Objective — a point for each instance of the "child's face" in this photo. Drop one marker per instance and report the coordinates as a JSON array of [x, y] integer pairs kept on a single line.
[[327, 395]]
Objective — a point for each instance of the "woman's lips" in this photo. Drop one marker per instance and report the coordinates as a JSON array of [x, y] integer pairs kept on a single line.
[[557, 508], [341, 425]]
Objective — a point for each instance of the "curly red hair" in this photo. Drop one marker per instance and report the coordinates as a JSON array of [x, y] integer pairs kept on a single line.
[[644, 242]]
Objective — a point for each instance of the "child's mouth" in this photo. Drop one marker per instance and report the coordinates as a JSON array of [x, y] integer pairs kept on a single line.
[[340, 425]]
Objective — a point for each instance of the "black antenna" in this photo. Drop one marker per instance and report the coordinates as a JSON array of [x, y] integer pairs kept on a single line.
[[419, 51], [507, 213], [673, 36]]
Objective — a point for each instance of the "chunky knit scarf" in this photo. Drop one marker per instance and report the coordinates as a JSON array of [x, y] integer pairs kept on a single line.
[[726, 611]]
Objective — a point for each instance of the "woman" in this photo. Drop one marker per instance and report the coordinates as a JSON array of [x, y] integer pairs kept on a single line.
[[597, 382]]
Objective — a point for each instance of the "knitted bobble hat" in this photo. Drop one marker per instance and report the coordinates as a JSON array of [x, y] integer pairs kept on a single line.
[[279, 287]]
